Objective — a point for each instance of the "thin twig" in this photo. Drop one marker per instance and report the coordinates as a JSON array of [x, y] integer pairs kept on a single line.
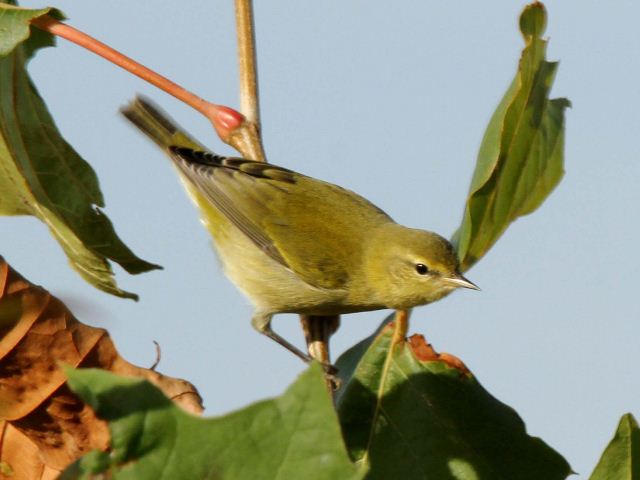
[[158, 356], [249, 99], [317, 332]]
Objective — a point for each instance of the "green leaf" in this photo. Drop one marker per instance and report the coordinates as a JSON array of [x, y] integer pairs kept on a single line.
[[14, 25], [407, 418], [294, 436], [522, 153], [41, 174], [621, 458]]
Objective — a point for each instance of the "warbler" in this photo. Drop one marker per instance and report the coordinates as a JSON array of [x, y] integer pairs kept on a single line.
[[295, 244]]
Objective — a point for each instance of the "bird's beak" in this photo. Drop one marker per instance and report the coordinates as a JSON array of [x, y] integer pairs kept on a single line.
[[459, 281]]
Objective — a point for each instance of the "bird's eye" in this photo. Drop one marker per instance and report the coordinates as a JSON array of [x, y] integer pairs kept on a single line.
[[422, 269]]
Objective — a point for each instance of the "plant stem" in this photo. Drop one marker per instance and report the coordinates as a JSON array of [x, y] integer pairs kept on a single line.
[[317, 332], [249, 99], [224, 119], [400, 327]]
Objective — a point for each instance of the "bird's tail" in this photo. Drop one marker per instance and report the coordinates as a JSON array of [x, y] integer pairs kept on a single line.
[[157, 125]]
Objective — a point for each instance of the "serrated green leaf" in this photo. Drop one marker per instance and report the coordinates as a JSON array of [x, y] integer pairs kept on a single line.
[[42, 175], [522, 153], [293, 436], [412, 419], [621, 458]]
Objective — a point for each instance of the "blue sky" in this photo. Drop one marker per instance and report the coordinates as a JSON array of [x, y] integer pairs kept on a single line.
[[391, 103]]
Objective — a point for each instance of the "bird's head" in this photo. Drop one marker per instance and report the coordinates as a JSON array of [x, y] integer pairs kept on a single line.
[[407, 267]]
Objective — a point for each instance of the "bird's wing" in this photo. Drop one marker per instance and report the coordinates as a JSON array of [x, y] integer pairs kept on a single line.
[[312, 227]]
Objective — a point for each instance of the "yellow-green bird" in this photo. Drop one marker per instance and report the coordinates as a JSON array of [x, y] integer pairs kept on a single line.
[[295, 244]]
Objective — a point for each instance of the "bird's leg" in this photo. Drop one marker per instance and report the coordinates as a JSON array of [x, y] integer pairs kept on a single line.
[[262, 323]]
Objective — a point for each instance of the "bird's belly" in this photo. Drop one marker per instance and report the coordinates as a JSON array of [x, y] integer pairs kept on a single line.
[[268, 284]]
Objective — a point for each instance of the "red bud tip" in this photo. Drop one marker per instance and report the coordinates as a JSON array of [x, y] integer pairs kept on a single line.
[[226, 120]]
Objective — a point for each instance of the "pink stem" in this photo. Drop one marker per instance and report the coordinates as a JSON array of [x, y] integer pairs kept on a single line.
[[224, 119]]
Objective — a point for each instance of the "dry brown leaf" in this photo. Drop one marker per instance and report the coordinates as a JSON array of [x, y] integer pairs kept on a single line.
[[21, 457], [44, 425], [425, 352]]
